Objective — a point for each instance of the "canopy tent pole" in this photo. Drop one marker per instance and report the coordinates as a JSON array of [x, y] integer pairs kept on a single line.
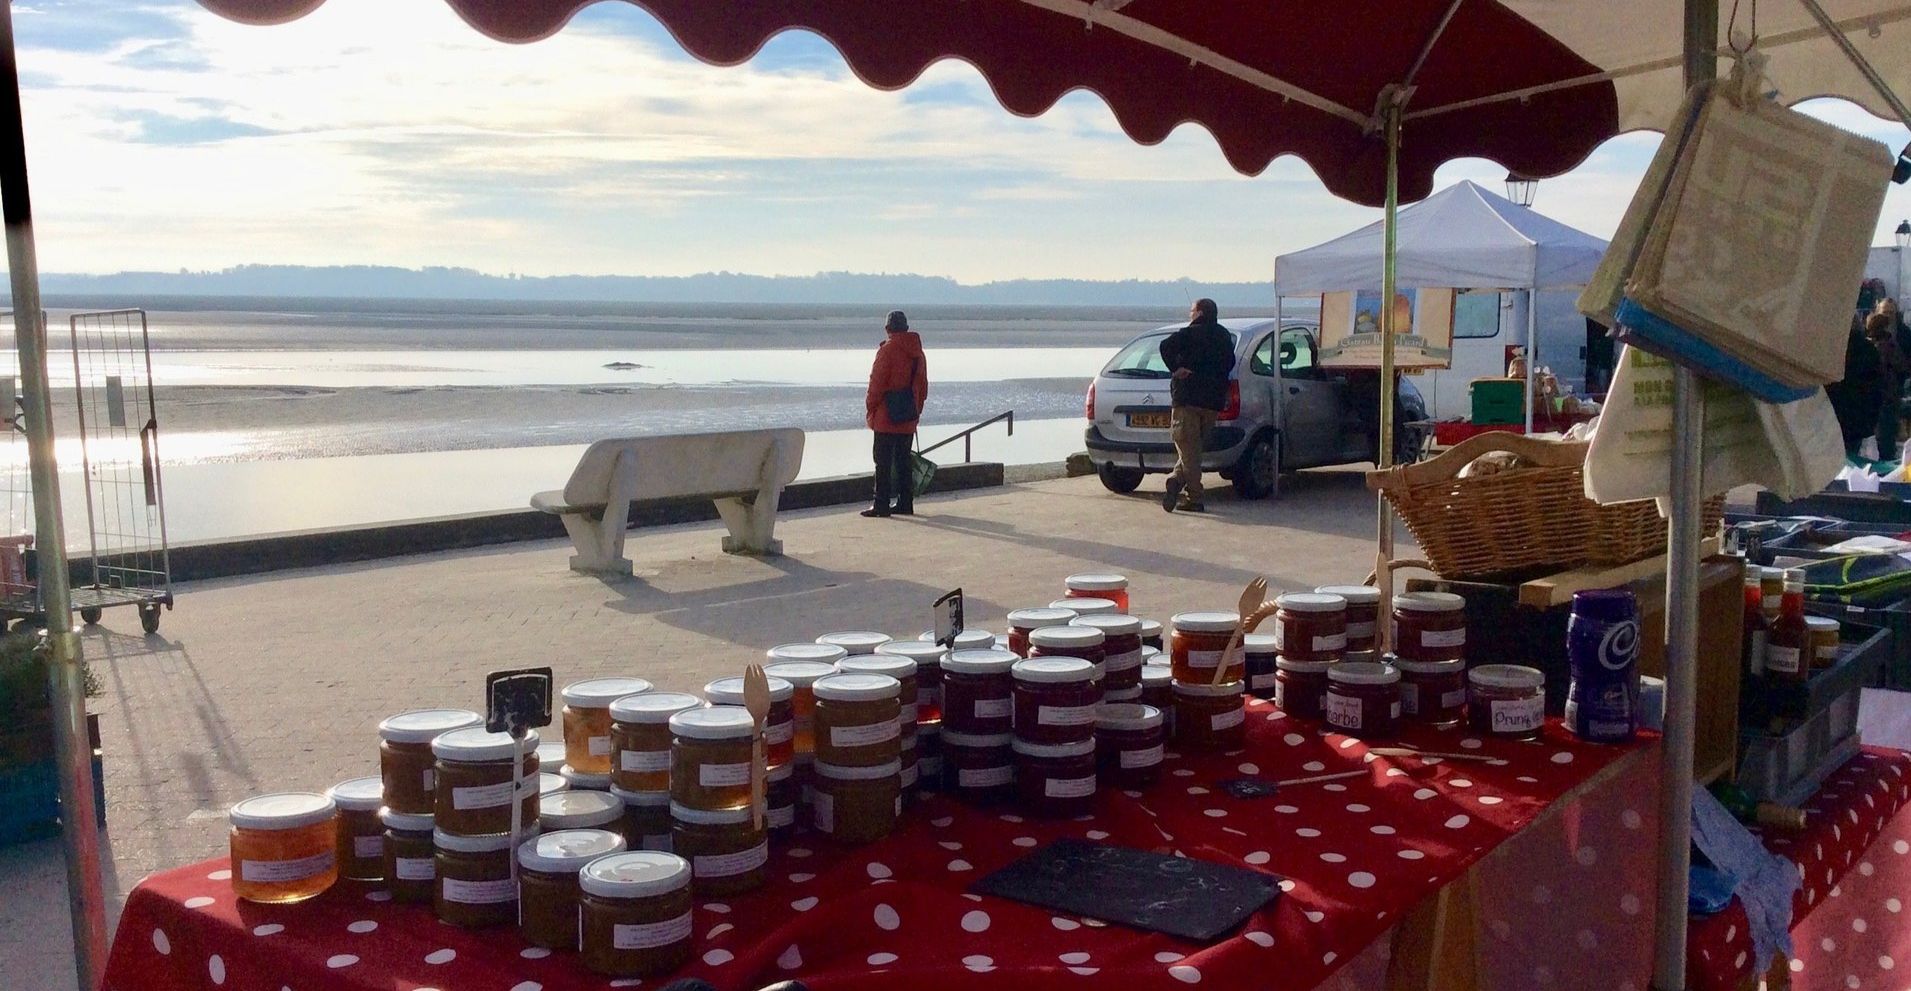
[[1383, 443], [1532, 349], [67, 684]]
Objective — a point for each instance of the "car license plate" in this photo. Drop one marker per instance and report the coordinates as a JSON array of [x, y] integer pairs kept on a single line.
[[1155, 420]]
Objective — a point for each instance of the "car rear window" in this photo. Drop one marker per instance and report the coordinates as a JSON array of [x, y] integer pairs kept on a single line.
[[1141, 359]]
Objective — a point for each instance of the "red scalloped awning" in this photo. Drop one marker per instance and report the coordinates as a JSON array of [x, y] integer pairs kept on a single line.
[[1266, 79]]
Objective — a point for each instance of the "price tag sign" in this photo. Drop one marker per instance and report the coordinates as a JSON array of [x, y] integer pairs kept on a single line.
[[948, 623], [515, 701]]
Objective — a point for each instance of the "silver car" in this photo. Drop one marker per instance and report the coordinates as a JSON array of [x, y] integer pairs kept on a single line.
[[1284, 412]]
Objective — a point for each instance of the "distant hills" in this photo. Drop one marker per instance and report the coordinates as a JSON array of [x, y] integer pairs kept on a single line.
[[382, 282]]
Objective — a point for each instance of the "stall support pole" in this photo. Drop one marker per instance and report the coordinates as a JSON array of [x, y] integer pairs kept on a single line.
[[1532, 349], [1681, 600], [1383, 454], [72, 747]]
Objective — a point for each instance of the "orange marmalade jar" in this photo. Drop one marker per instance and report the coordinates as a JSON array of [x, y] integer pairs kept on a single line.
[[404, 755], [284, 847], [801, 664], [587, 720], [640, 738], [1114, 588], [474, 781], [1196, 643]]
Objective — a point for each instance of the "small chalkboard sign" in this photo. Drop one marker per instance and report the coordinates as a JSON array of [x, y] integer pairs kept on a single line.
[[1192, 899], [948, 618], [515, 701]]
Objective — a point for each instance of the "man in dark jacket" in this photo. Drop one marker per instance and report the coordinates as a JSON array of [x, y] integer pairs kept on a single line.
[[1201, 357], [900, 379]]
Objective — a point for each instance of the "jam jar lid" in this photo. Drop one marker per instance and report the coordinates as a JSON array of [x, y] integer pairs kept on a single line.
[[1304, 667], [652, 707], [855, 640], [1079, 748], [1153, 655], [1452, 666], [1127, 716], [586, 780], [407, 822], [857, 687], [1067, 636], [1825, 623], [579, 810], [1429, 602], [729, 691], [475, 743], [1506, 676], [596, 693], [1206, 622], [840, 773], [1034, 619], [708, 817], [1258, 643], [718, 722], [1086, 605], [424, 725], [803, 674], [550, 754], [1150, 627], [978, 740], [883, 664], [1112, 624], [565, 851], [826, 654], [980, 661], [648, 799], [965, 639], [635, 874], [359, 794], [481, 843], [286, 810], [549, 784], [1205, 690], [1091, 582], [1310, 602], [924, 653], [1363, 673], [1156, 675], [1356, 595], [1053, 670]]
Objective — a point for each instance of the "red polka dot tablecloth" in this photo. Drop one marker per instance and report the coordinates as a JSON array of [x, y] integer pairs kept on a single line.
[[1849, 930], [1354, 855]]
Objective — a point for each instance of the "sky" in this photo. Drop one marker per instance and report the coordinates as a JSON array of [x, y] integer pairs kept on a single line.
[[388, 132]]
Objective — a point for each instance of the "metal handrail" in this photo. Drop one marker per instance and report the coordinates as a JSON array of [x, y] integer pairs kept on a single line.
[[965, 436]]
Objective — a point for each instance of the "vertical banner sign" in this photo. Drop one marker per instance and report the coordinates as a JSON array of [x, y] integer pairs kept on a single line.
[[948, 618]]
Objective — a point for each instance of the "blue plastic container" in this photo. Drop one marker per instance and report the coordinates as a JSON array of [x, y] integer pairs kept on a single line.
[[1602, 650]]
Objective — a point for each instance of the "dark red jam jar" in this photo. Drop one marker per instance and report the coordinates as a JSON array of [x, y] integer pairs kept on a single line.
[[1363, 614], [1310, 626], [978, 769], [1085, 642], [978, 692], [928, 657], [1121, 650], [1023, 622], [1300, 687], [1209, 717], [1432, 693], [1429, 626], [1129, 739], [1259, 649], [1055, 780], [1363, 699], [1055, 700]]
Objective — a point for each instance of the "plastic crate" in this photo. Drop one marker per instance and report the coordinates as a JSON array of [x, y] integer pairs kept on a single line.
[[1498, 400], [30, 800], [1787, 766]]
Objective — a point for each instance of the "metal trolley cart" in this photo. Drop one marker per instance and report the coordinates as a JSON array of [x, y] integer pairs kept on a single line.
[[110, 405]]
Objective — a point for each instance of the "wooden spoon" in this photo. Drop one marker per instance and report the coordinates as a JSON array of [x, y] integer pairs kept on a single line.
[[756, 698], [1252, 598]]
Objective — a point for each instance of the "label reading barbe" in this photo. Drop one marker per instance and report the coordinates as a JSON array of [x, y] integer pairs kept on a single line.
[[1343, 711], [650, 935], [862, 736], [279, 871], [644, 760]]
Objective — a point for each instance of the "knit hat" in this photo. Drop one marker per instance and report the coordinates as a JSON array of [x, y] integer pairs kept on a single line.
[[897, 321]]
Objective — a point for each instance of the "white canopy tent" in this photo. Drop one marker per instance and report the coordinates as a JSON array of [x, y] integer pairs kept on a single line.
[[1463, 237]]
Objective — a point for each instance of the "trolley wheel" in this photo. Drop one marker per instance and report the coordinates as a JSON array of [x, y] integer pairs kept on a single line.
[[149, 618], [91, 614]]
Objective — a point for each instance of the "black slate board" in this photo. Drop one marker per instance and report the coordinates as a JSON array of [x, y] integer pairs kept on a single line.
[[1192, 899]]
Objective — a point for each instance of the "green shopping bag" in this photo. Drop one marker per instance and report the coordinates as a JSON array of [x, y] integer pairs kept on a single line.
[[922, 471]]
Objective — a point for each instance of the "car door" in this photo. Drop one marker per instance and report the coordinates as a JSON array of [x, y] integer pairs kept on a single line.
[[1310, 402]]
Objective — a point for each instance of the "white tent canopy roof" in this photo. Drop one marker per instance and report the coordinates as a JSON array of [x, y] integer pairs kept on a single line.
[[1462, 237]]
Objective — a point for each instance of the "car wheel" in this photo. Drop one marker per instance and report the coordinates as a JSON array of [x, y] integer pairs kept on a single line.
[[1258, 474], [1118, 480]]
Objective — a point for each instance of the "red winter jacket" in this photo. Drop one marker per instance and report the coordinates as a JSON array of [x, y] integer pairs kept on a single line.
[[892, 371]]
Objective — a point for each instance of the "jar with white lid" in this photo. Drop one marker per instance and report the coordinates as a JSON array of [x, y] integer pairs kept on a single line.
[[856, 641], [1507, 701], [857, 805], [1310, 626], [1209, 717], [858, 720], [801, 664], [1131, 739], [1113, 588], [1363, 699], [1197, 641], [361, 837], [894, 666], [710, 755], [550, 757], [405, 762], [646, 823], [1055, 780], [726, 849], [1151, 635], [779, 725], [548, 891], [1363, 615], [587, 720], [474, 777], [634, 914], [1259, 653], [977, 692], [410, 873], [1023, 622], [1121, 650], [928, 657], [284, 847], [1055, 700], [1086, 642], [640, 738], [580, 810], [1089, 605], [583, 782], [1429, 626], [474, 887]]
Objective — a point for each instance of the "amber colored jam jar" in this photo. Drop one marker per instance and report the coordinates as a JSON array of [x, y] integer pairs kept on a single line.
[[1121, 650], [978, 692], [1130, 739], [361, 837], [1196, 643], [1363, 699], [634, 914], [856, 805], [900, 668], [409, 870], [1086, 642], [405, 762], [587, 720], [725, 849], [710, 752], [1300, 687], [1055, 700], [474, 781], [579, 810], [929, 756], [801, 664], [858, 720], [1822, 631], [1259, 653], [646, 822], [1310, 626], [1023, 622], [474, 889], [547, 883], [284, 847], [1506, 701], [640, 738], [1151, 635], [1209, 717], [1429, 626], [1114, 588], [779, 796], [928, 657], [1055, 780], [979, 770], [580, 781], [1363, 614], [1432, 693]]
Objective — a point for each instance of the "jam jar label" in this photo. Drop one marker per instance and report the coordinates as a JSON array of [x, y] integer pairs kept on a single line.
[[782, 732], [431, 780], [1065, 715], [865, 735], [984, 777], [600, 746], [1122, 661], [910, 775], [1228, 720], [1145, 757], [646, 760], [1409, 697], [1204, 658], [1337, 641], [1360, 631], [1261, 682], [723, 775], [1443, 638], [369, 846], [1069, 787], [781, 816], [1783, 660], [1344, 711], [480, 892], [1518, 715], [730, 864], [650, 935], [415, 868], [484, 796], [278, 871], [1453, 699], [993, 708]]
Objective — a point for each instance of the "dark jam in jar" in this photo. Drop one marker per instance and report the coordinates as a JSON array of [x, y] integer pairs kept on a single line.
[[1209, 717], [1429, 626], [1506, 701], [1260, 652], [978, 692], [1300, 687], [634, 914], [1055, 780], [1310, 626], [1085, 642], [1432, 693], [979, 769], [1363, 615], [1023, 622], [1363, 699], [547, 883], [1130, 739], [928, 657], [1055, 700], [1121, 650]]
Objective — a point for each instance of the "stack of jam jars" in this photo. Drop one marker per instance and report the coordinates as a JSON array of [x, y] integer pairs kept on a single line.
[[1056, 703], [1363, 619], [928, 656], [1429, 648], [857, 792], [1207, 713], [1084, 642], [801, 664], [587, 720], [640, 763], [474, 773], [711, 823], [1113, 588], [978, 715], [1023, 622], [1121, 655], [908, 699], [1310, 637]]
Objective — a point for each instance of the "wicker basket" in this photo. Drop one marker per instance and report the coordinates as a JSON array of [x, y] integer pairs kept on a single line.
[[1530, 518]]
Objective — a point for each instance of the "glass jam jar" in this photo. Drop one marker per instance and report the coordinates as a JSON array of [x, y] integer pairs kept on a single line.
[[1086, 605], [580, 781], [587, 720], [801, 664], [779, 798], [1259, 652], [855, 642], [474, 781], [1130, 739], [1432, 693], [858, 720], [977, 692], [1310, 626], [980, 770], [474, 889], [1113, 588], [640, 738], [1363, 615], [857, 805], [547, 883], [1822, 631], [1363, 699], [928, 657], [1196, 643], [1055, 779], [900, 668], [1506, 701], [579, 810], [404, 755], [710, 752], [1055, 700], [1023, 622], [1429, 626], [779, 727], [1209, 717], [1085, 642], [284, 847], [1157, 689], [410, 874], [634, 914], [646, 822], [1151, 635], [1300, 687], [725, 849], [1121, 650], [361, 837]]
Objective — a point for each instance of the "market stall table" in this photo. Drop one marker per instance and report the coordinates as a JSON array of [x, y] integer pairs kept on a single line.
[[1354, 855]]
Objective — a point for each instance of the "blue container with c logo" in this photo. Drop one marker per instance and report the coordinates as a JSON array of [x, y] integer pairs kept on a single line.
[[1602, 647]]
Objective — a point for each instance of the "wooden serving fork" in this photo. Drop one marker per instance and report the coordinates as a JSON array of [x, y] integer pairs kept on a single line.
[[1253, 600], [756, 698]]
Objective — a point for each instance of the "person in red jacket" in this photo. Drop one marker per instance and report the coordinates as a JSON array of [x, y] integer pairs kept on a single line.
[[898, 387]]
